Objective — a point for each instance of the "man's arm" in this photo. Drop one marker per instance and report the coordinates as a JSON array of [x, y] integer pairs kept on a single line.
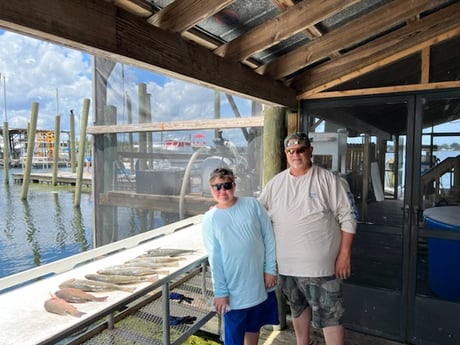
[[343, 261]]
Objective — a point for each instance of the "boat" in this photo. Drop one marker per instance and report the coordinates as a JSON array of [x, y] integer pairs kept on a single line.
[[178, 144], [185, 144]]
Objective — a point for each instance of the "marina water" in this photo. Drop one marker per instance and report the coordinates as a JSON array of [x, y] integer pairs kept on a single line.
[[44, 228]]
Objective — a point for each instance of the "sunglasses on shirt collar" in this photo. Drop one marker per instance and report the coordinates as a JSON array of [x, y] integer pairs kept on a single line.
[[225, 185]]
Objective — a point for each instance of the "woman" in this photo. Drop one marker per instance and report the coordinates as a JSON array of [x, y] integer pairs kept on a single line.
[[238, 237]]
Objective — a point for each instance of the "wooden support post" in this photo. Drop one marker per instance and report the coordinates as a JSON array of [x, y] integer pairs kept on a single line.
[[142, 101], [81, 152], [274, 162], [366, 175], [237, 114], [129, 111], [292, 119], [109, 228], [101, 70], [274, 134], [149, 135]]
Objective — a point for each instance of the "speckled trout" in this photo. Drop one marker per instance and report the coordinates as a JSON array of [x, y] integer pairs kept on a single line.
[[168, 252], [142, 262], [128, 270], [160, 259], [121, 279], [92, 285]]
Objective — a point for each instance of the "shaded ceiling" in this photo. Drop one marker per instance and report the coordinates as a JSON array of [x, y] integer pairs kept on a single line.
[[274, 51]]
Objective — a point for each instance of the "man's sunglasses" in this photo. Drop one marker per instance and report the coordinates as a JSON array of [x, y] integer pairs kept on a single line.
[[300, 150], [226, 186]]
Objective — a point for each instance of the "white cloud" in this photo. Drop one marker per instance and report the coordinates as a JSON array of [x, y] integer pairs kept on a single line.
[[56, 77], [59, 78]]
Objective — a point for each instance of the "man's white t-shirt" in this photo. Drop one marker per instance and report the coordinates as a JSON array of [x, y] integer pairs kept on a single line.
[[308, 213]]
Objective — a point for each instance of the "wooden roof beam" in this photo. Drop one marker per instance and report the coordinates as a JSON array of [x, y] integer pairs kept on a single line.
[[137, 7], [311, 32], [181, 15], [386, 90], [378, 20], [412, 38], [295, 19]]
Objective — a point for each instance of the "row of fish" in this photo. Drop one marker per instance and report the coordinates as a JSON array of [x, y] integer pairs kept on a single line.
[[144, 268]]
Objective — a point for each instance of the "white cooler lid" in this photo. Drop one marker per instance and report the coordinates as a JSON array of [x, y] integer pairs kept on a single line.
[[449, 215]]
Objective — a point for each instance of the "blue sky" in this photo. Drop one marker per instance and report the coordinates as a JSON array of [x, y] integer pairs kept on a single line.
[[59, 79]]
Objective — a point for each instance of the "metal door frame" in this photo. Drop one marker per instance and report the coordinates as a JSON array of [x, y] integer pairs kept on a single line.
[[401, 315], [371, 310], [430, 321]]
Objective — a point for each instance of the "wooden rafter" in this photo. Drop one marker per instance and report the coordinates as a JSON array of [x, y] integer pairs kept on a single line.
[[312, 32], [179, 16], [137, 7], [384, 90], [373, 23], [425, 72], [412, 38], [281, 27]]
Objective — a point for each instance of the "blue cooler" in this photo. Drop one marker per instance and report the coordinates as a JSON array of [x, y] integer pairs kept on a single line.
[[444, 255]]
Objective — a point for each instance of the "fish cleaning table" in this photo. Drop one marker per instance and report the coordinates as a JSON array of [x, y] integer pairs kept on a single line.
[[24, 319]]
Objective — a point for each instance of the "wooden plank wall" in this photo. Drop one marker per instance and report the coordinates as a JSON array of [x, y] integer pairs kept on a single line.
[[355, 156], [355, 164]]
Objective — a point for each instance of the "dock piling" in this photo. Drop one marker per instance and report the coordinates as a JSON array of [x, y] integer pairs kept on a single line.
[[30, 150]]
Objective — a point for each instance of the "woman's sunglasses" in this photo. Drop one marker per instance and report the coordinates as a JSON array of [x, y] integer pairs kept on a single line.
[[225, 185]]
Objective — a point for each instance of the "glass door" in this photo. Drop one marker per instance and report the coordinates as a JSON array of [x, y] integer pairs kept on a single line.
[[375, 167], [436, 299], [403, 166]]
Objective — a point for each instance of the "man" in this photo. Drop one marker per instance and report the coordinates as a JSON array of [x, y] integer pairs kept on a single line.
[[314, 221]]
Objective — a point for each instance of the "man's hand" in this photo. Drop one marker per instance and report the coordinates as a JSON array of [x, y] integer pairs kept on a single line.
[[343, 266], [343, 261]]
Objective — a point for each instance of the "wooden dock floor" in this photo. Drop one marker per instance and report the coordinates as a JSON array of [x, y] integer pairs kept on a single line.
[[268, 336], [63, 178]]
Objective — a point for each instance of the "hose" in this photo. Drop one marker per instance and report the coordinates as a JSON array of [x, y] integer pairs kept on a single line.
[[186, 179]]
